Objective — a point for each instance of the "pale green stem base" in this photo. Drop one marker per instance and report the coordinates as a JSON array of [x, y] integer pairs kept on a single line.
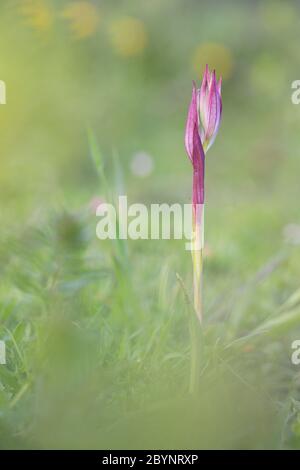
[[197, 256], [196, 320]]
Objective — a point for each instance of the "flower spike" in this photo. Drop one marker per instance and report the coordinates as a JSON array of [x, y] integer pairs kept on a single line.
[[203, 121]]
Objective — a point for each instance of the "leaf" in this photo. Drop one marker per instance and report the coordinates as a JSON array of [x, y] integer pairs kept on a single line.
[[281, 324], [99, 163], [291, 302]]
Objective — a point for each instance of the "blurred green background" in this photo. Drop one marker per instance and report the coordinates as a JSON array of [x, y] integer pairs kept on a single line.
[[97, 342]]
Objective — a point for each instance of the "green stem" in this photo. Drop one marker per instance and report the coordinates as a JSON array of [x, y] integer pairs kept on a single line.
[[196, 338], [197, 351], [197, 256], [197, 316]]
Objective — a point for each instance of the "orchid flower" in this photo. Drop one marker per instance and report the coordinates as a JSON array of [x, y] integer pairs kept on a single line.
[[202, 125]]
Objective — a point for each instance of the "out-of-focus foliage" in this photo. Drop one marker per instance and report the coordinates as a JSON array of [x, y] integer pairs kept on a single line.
[[96, 333]]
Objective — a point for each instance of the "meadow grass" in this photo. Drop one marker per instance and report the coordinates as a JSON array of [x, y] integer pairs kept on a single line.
[[97, 333], [99, 347]]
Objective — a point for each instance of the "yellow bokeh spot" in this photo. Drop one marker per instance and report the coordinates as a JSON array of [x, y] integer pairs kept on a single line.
[[217, 56], [83, 18], [128, 36], [38, 14]]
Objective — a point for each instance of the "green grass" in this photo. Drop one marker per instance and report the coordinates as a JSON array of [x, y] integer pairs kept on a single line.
[[99, 347], [97, 333]]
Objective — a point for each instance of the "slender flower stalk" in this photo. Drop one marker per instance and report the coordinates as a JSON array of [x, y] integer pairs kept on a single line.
[[202, 125]]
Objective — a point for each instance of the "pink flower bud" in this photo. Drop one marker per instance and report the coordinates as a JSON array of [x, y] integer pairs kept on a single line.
[[209, 106], [202, 125]]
